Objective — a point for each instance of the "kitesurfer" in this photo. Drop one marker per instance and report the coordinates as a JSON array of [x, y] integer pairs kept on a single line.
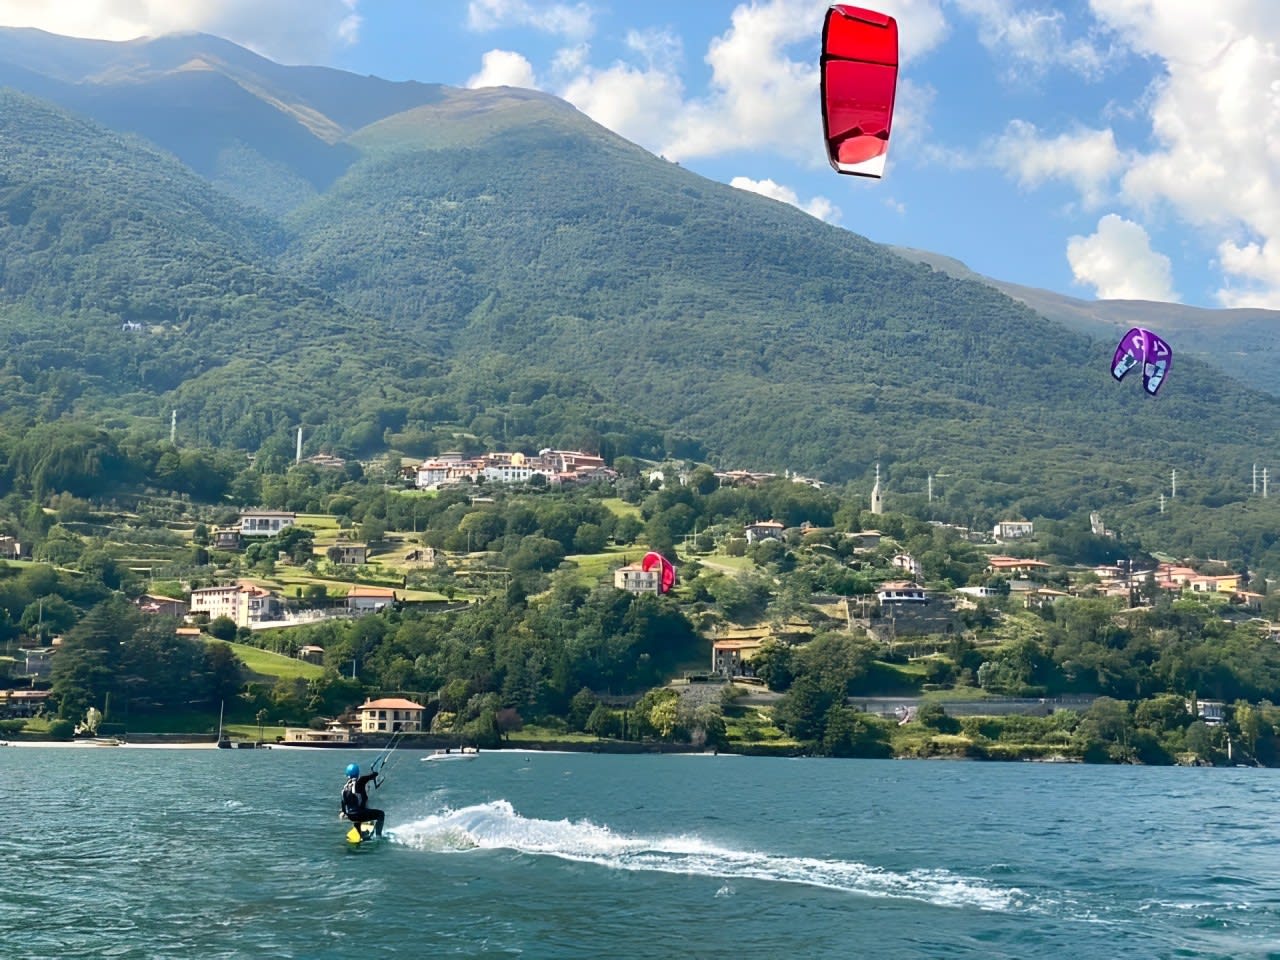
[[355, 799]]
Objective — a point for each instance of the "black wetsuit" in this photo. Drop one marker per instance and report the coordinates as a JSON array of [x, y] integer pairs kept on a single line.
[[355, 803]]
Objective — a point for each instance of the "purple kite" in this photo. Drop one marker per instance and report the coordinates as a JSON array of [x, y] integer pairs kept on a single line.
[[1142, 347]]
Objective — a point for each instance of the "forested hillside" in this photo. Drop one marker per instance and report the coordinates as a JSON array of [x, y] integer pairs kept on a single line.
[[489, 268]]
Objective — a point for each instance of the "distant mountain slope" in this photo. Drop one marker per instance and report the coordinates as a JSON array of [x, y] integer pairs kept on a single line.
[[1244, 344], [519, 232], [268, 134], [492, 267], [101, 234]]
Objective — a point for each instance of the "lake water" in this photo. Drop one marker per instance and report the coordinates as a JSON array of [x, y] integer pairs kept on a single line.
[[164, 853]]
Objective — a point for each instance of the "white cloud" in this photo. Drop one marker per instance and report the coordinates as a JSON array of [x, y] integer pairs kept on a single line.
[[763, 86], [1032, 38], [572, 20], [569, 60], [503, 68], [1087, 159], [1118, 262], [1215, 120], [819, 207], [292, 31], [639, 102]]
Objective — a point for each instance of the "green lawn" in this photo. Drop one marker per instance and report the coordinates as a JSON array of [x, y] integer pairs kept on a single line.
[[620, 508], [594, 568], [717, 560], [274, 664], [532, 733]]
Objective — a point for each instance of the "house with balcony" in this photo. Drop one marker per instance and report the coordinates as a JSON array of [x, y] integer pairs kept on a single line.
[[265, 523], [225, 538], [245, 603], [901, 591], [1019, 566], [635, 579], [391, 715], [334, 732], [22, 703], [731, 657], [348, 554]]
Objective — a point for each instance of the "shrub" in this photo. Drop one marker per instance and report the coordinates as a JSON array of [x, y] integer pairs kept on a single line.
[[223, 628]]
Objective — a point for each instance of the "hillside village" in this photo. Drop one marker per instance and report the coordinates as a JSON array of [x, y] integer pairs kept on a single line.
[[898, 605]]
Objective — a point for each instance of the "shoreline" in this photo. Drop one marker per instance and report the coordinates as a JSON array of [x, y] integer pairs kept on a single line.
[[101, 745]]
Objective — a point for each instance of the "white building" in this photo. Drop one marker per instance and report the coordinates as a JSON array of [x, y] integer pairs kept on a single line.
[[244, 603], [361, 599], [901, 591], [763, 530], [265, 523], [634, 579], [904, 561], [390, 715], [1013, 529]]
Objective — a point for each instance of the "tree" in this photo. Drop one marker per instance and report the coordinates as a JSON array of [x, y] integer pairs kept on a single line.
[[1248, 722], [581, 707], [932, 714], [509, 721], [604, 722], [223, 628], [773, 663], [848, 733], [802, 711], [590, 538], [664, 717]]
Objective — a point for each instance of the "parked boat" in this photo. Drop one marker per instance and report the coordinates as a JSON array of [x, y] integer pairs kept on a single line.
[[465, 753]]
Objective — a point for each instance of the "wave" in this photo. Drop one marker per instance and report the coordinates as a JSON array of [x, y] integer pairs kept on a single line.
[[497, 826]]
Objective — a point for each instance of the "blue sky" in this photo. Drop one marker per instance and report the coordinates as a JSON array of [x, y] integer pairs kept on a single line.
[[1109, 148]]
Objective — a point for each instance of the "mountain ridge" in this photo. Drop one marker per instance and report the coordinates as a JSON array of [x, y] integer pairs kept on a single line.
[[495, 265]]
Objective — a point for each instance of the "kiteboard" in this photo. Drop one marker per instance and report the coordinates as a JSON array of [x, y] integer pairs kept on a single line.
[[361, 833]]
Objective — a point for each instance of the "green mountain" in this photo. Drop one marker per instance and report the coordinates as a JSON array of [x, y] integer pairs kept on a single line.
[[492, 267]]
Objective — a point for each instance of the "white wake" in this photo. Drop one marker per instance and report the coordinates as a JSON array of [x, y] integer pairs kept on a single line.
[[497, 826]]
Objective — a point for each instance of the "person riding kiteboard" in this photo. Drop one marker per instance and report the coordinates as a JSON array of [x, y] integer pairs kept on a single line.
[[355, 800]]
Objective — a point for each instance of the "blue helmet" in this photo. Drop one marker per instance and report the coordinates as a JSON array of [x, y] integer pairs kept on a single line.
[[353, 769]]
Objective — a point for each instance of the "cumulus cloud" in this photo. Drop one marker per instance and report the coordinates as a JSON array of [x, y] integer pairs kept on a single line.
[[641, 102], [819, 207], [575, 21], [1118, 262], [1215, 121], [763, 85], [292, 31], [1033, 39], [1087, 159], [503, 68]]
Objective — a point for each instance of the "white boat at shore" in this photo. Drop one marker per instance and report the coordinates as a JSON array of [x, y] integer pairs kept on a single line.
[[466, 753]]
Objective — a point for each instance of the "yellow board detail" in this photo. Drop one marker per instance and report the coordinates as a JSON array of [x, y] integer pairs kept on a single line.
[[354, 835]]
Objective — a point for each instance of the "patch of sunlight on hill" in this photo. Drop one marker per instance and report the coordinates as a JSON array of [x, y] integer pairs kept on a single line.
[[273, 664]]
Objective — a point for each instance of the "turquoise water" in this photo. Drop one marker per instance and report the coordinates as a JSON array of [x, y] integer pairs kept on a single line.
[[162, 853]]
